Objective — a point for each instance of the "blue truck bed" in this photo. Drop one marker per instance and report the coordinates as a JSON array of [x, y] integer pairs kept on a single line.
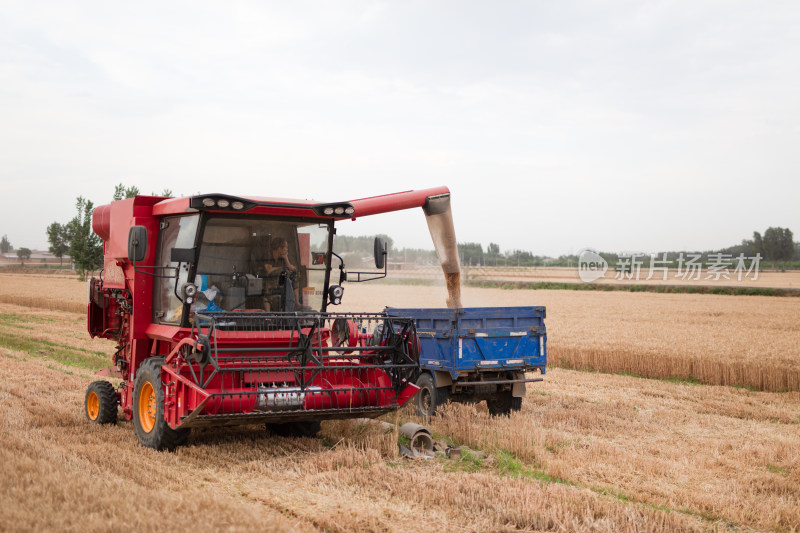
[[480, 339]]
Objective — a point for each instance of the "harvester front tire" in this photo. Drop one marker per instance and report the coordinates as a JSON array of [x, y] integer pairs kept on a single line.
[[149, 424], [429, 397], [296, 429], [100, 404], [503, 404]]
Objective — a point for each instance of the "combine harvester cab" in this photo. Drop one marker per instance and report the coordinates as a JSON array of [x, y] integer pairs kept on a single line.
[[219, 308]]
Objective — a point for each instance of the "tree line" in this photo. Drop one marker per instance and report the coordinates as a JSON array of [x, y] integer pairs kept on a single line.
[[776, 245]]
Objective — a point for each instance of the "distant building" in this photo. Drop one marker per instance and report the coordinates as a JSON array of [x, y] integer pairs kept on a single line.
[[38, 257]]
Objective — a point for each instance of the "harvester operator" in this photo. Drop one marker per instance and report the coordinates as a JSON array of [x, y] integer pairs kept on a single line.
[[279, 291]]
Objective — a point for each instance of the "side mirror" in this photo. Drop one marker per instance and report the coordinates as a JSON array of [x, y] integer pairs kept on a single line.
[[137, 244], [380, 253]]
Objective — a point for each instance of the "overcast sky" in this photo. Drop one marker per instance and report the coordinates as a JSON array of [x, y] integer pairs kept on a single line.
[[617, 125]]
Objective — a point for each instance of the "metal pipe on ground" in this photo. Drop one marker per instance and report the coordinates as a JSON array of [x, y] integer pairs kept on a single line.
[[420, 438]]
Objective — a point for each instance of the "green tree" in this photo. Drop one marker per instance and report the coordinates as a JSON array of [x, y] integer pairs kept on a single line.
[[59, 238], [787, 244], [363, 243], [23, 254], [778, 244], [521, 258], [758, 244], [5, 245], [471, 253], [85, 248], [493, 253], [122, 192]]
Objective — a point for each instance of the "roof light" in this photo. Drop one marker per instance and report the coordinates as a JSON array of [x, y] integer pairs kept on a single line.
[[211, 201], [336, 209]]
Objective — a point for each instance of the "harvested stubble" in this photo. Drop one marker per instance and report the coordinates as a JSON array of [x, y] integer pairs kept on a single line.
[[728, 455], [71, 475]]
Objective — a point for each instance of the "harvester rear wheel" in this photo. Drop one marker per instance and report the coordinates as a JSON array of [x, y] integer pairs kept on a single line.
[[149, 424], [429, 397], [100, 404], [295, 429], [504, 403]]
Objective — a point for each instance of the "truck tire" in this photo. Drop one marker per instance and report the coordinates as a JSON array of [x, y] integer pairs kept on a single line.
[[148, 409], [295, 429], [504, 403], [100, 404], [429, 397]]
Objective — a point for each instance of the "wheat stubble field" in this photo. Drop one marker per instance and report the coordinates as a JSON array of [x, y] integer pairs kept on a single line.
[[588, 452]]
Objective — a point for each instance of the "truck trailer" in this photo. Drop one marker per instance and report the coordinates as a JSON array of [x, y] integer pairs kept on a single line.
[[472, 354]]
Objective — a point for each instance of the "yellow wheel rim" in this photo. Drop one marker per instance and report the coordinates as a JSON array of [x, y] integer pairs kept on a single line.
[[93, 405], [147, 407]]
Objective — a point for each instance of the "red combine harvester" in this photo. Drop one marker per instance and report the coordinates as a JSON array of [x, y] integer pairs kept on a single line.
[[219, 308]]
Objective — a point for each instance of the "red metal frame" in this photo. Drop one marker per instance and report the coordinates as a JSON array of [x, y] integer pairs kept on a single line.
[[122, 308]]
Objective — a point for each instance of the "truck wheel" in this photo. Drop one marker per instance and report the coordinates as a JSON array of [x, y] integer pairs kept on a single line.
[[429, 397], [100, 405], [148, 409], [295, 429], [503, 404]]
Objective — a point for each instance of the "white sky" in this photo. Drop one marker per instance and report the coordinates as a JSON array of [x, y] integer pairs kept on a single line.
[[618, 125]]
